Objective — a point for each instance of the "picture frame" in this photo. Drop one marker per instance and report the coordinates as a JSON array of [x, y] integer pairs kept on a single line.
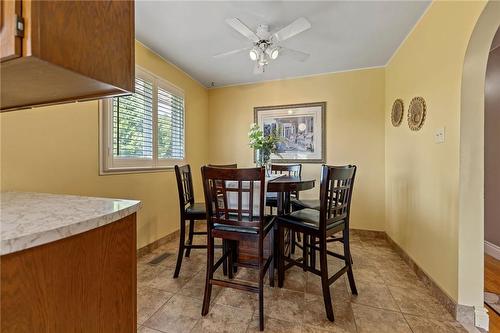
[[302, 127]]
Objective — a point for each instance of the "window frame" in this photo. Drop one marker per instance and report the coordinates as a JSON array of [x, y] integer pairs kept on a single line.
[[110, 164]]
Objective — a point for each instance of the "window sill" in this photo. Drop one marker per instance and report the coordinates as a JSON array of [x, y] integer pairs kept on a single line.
[[121, 171]]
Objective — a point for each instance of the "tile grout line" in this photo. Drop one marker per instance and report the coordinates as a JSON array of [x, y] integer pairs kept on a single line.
[[251, 319], [393, 298], [362, 245], [407, 323], [354, 318]]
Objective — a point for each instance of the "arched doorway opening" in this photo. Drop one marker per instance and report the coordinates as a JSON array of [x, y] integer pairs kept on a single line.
[[471, 204], [492, 185]]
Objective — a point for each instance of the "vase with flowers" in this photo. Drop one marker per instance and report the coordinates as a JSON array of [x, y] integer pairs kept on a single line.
[[264, 146]]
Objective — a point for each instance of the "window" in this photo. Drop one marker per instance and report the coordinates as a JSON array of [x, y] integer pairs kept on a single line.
[[144, 130]]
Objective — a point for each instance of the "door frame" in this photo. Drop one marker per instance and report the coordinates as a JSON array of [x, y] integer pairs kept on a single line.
[[471, 182]]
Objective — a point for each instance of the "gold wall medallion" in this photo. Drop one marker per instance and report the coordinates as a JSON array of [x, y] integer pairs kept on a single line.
[[397, 112], [416, 113]]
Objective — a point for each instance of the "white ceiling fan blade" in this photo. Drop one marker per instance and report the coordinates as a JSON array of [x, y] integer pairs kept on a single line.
[[224, 54], [258, 69], [239, 26], [296, 27], [297, 55]]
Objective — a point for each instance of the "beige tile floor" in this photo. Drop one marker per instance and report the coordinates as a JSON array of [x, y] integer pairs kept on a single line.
[[390, 298]]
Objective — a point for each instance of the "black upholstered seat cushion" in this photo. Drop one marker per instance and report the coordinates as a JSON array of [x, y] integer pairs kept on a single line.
[[308, 218], [269, 220], [301, 204], [198, 208]]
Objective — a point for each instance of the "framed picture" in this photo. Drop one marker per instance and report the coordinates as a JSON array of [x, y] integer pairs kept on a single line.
[[301, 127]]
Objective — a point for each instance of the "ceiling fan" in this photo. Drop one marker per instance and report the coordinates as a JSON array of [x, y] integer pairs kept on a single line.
[[265, 43]]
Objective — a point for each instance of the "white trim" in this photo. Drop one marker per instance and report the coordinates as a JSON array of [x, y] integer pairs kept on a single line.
[[409, 34], [481, 318], [171, 64], [108, 164], [296, 77], [167, 85], [492, 249]]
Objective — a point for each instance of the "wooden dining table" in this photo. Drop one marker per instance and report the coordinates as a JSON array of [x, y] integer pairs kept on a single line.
[[283, 186]]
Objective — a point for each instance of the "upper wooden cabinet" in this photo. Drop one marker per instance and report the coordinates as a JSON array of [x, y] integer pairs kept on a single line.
[[60, 51]]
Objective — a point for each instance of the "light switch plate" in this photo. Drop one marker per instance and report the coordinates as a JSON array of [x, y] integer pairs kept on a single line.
[[439, 136]]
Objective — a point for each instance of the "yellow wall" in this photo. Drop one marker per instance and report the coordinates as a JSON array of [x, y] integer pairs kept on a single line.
[[55, 149], [422, 178], [354, 125]]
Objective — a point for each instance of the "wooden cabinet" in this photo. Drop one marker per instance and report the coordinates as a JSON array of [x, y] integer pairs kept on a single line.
[[10, 30], [60, 51], [83, 283]]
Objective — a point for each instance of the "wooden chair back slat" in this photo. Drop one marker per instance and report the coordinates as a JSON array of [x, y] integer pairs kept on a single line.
[[242, 185], [234, 166], [184, 185], [250, 200], [294, 170], [335, 194], [240, 195]]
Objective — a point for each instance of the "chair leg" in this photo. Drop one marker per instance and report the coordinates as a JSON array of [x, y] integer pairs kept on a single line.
[[224, 263], [261, 305], [324, 280], [305, 245], [230, 266], [312, 252], [293, 242], [235, 256], [271, 264], [281, 257], [180, 253], [190, 237], [348, 262], [209, 275], [350, 255], [262, 275]]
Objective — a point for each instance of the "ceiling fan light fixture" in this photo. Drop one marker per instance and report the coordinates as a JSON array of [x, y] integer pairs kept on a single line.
[[265, 47], [254, 54], [273, 52]]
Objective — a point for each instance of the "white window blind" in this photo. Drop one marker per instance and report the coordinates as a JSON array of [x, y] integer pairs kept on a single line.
[[133, 122], [144, 130], [170, 125]]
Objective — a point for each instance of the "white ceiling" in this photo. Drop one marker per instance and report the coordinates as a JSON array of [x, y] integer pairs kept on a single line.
[[345, 35]]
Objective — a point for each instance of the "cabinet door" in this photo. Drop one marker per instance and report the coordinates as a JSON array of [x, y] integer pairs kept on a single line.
[[10, 38]]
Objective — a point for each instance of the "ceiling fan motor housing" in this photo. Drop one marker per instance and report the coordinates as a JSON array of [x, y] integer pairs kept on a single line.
[[263, 31]]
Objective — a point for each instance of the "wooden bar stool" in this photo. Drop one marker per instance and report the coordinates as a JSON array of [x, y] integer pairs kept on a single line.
[[230, 195], [189, 211], [298, 204], [332, 217], [294, 170]]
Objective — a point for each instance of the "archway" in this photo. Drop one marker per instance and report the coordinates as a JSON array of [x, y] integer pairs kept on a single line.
[[471, 201]]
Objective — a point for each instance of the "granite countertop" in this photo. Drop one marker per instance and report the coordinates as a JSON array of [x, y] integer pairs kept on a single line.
[[31, 219]]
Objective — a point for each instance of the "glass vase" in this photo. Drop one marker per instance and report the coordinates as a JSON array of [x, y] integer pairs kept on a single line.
[[263, 159]]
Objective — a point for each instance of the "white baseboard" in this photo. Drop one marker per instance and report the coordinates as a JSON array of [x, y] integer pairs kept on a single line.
[[492, 250]]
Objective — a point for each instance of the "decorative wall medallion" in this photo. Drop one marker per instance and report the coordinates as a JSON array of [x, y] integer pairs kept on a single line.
[[397, 112], [416, 113]]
